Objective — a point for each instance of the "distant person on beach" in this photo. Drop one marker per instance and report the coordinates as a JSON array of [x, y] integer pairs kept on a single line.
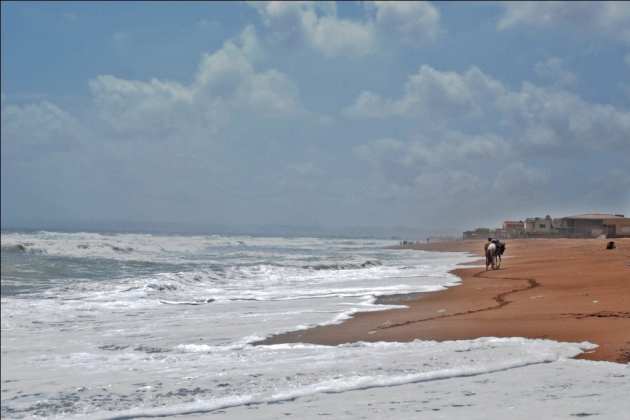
[[428, 240]]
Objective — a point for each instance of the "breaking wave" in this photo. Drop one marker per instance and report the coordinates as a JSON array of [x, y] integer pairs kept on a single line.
[[366, 264], [27, 248]]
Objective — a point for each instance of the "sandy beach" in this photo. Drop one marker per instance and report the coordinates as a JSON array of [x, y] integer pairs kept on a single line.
[[570, 290]]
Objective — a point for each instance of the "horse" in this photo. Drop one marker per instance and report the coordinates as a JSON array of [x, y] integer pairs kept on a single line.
[[493, 255]]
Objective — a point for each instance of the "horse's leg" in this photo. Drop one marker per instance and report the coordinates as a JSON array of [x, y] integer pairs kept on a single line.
[[498, 261]]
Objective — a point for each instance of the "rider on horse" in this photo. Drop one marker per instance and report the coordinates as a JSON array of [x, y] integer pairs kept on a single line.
[[495, 254]]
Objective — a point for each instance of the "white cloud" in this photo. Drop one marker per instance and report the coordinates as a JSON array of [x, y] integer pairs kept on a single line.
[[134, 106], [317, 25], [554, 69], [408, 21], [536, 121], [606, 18], [445, 168], [225, 83], [446, 94], [42, 126], [541, 117], [157, 142], [335, 37], [451, 149], [228, 74], [545, 118]]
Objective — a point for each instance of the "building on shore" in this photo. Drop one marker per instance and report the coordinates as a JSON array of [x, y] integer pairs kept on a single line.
[[580, 226], [478, 233], [596, 224], [538, 225], [513, 229]]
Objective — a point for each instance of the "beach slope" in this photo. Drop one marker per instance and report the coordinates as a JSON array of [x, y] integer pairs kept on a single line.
[[571, 290]]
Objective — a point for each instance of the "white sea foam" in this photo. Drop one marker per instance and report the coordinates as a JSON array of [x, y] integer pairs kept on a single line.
[[286, 372], [166, 329]]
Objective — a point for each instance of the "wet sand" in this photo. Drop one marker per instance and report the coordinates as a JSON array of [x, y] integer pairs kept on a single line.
[[571, 290]]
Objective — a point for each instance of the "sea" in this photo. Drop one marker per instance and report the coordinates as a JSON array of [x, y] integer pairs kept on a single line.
[[132, 326]]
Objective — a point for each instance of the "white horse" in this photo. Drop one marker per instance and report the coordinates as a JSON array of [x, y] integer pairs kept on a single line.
[[493, 255]]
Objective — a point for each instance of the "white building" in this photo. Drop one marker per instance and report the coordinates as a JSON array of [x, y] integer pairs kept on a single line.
[[538, 225]]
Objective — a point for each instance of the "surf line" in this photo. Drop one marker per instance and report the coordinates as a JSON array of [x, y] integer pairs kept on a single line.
[[200, 302]]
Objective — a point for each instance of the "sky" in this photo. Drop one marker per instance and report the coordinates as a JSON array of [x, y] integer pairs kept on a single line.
[[414, 114]]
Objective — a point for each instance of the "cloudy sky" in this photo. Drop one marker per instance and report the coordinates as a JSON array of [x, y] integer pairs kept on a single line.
[[421, 115]]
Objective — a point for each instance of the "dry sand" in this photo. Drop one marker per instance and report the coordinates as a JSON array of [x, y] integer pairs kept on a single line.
[[570, 290]]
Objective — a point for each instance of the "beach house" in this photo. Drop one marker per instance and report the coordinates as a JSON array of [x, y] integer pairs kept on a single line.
[[478, 233], [589, 225], [596, 224], [513, 229], [538, 225]]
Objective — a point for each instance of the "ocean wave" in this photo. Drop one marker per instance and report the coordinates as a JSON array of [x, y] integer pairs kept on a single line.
[[26, 248], [32, 248], [194, 302], [366, 264]]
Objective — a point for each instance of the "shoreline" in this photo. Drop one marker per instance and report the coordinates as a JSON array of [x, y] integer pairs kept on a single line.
[[570, 290]]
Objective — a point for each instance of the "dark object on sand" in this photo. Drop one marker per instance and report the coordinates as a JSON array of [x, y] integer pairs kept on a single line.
[[611, 245]]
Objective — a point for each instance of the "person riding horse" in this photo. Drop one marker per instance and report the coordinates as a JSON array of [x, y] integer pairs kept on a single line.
[[492, 241], [499, 249]]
